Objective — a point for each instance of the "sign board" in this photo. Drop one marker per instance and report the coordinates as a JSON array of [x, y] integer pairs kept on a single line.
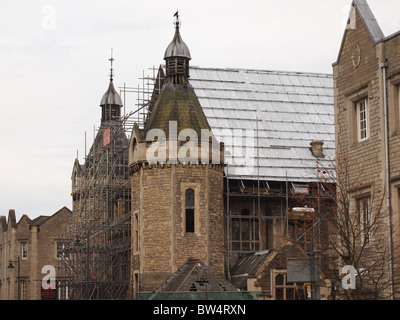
[[106, 137], [299, 270]]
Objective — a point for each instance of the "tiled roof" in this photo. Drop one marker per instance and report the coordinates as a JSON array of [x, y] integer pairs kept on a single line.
[[177, 103], [267, 120], [195, 276], [249, 265]]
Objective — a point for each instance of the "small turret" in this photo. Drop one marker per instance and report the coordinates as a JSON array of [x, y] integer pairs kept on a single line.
[[111, 102], [177, 56]]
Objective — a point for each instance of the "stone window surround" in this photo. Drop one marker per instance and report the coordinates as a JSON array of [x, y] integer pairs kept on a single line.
[[284, 286], [395, 192], [394, 104], [362, 119], [356, 196], [196, 189], [24, 250], [353, 99], [136, 231]]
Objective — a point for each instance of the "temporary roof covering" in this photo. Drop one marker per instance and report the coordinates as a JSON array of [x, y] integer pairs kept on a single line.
[[267, 120]]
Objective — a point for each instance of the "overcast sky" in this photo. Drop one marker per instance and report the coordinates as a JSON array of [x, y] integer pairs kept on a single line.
[[54, 68]]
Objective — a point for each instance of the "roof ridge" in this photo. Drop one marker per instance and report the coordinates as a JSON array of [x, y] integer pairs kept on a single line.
[[263, 71], [369, 20]]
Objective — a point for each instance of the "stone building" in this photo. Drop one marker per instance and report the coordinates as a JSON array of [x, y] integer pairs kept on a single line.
[[276, 128], [98, 237], [366, 86], [26, 247], [177, 181], [214, 172]]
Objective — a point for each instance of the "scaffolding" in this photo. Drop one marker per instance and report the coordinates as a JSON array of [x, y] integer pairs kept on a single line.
[[94, 254], [94, 260], [94, 250]]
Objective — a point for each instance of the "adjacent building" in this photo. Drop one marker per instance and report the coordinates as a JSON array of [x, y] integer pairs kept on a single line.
[[366, 87], [28, 254]]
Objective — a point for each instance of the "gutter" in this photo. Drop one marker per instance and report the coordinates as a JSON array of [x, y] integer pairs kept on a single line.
[[383, 66]]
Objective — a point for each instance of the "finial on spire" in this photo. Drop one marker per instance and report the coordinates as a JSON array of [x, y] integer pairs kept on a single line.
[[177, 22], [111, 69]]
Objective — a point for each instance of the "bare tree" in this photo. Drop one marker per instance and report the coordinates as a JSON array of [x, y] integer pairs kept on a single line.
[[352, 231]]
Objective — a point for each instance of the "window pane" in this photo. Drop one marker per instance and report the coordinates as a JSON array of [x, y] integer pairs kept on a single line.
[[235, 229], [279, 280], [290, 294], [236, 246], [363, 121], [189, 220], [189, 198], [24, 250], [279, 293], [245, 229], [365, 214]]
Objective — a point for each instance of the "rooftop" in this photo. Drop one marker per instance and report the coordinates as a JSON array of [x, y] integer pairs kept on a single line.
[[267, 120]]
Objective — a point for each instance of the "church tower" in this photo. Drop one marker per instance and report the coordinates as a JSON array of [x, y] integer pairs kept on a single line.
[[176, 168]]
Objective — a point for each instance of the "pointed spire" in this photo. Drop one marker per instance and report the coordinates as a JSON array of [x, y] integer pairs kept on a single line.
[[111, 62], [111, 101], [177, 22], [177, 56], [177, 48]]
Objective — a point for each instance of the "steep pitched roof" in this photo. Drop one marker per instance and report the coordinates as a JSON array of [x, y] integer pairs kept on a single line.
[[267, 120], [40, 220], [195, 276], [369, 20], [177, 103], [3, 223], [249, 265], [371, 24]]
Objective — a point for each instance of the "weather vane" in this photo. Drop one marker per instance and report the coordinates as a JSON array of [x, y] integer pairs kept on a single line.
[[111, 69], [177, 22]]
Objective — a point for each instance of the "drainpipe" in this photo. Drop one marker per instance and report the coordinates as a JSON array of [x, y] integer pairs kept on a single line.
[[383, 66]]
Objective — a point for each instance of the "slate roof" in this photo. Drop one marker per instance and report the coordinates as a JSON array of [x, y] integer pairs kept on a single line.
[[177, 103], [369, 19], [193, 277], [250, 265], [267, 120]]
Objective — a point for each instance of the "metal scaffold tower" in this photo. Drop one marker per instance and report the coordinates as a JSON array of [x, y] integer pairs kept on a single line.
[[94, 250]]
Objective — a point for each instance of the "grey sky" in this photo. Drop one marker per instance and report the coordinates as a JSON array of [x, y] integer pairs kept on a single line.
[[54, 68]]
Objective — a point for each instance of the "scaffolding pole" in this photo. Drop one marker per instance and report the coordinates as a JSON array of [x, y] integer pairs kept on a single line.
[[94, 257]]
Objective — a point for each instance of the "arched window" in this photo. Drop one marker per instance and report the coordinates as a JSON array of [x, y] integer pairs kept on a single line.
[[189, 210]]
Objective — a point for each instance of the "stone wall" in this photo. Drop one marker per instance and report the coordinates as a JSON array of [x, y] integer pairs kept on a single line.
[[158, 195], [364, 69], [40, 236]]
